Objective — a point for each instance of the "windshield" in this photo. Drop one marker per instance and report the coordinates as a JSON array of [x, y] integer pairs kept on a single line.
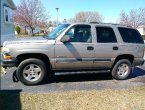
[[57, 31]]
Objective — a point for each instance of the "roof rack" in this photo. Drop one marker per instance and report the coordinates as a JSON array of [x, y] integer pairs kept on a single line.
[[94, 22], [103, 23], [110, 23]]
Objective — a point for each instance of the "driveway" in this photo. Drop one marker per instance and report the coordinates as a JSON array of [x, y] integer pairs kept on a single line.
[[86, 81]]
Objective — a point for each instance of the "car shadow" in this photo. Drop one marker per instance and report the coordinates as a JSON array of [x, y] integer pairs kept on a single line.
[[80, 77], [10, 100], [86, 76], [137, 71]]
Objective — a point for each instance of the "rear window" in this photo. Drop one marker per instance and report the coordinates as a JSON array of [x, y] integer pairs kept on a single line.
[[130, 35]]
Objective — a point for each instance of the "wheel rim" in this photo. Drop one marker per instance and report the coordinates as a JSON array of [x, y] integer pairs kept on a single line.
[[32, 72], [123, 69]]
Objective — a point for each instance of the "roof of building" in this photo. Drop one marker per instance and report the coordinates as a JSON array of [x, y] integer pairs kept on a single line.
[[11, 4]]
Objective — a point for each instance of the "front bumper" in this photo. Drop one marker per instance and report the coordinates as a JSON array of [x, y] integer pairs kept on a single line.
[[8, 63]]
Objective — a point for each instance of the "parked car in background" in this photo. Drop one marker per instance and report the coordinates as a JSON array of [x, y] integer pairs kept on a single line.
[[76, 47]]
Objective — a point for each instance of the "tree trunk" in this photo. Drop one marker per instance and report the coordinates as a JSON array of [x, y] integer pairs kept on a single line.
[[32, 31], [25, 30]]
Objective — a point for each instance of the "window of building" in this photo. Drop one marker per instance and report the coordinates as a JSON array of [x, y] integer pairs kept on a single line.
[[8, 15]]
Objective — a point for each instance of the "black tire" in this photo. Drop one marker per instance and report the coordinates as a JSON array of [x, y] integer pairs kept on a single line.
[[116, 71], [37, 63]]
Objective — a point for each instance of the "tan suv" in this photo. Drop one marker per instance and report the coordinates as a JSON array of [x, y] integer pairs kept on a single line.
[[76, 47]]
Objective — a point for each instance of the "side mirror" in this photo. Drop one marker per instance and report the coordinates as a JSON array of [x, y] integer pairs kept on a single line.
[[65, 38]]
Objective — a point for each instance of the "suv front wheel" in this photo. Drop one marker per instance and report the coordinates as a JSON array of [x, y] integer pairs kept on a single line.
[[122, 69], [31, 71]]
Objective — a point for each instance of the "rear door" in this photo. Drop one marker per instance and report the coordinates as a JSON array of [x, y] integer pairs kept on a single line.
[[133, 42], [106, 47]]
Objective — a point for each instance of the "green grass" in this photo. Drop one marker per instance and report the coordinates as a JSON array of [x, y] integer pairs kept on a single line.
[[41, 34], [125, 99], [23, 35]]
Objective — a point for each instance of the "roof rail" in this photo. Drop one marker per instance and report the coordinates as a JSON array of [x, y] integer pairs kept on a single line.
[[104, 23], [110, 23], [94, 22]]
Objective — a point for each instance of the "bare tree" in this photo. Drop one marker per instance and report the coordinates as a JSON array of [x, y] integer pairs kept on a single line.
[[50, 24], [43, 24], [88, 17], [30, 13], [135, 18]]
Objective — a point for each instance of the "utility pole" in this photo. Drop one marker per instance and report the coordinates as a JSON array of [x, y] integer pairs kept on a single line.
[[57, 14]]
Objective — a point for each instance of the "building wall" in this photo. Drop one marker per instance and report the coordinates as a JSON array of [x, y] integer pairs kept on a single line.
[[7, 29]]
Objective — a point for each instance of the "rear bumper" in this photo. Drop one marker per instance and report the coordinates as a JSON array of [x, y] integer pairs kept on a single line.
[[8, 63], [138, 62]]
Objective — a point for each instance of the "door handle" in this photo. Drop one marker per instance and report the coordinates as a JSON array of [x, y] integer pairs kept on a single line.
[[90, 48], [115, 48]]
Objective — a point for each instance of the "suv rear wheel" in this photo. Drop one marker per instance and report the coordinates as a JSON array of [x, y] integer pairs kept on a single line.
[[31, 71], [122, 69]]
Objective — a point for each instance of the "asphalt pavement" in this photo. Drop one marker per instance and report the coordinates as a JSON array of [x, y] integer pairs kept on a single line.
[[86, 81]]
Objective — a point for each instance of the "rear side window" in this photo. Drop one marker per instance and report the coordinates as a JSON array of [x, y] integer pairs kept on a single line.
[[130, 35], [105, 35]]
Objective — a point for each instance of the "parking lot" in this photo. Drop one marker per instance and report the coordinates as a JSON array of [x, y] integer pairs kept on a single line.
[[85, 81]]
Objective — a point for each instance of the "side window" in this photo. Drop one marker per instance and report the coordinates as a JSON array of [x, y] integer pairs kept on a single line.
[[105, 35], [80, 33], [130, 35]]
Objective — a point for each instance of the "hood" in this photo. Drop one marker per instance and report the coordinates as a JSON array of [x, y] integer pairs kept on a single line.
[[26, 40], [30, 39]]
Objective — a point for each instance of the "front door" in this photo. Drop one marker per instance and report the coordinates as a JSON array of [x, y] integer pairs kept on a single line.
[[78, 52]]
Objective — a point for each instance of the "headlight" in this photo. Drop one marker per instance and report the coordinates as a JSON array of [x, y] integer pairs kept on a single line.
[[6, 53], [7, 57]]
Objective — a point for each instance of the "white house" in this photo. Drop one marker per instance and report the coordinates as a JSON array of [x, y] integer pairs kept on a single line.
[[7, 20], [141, 29]]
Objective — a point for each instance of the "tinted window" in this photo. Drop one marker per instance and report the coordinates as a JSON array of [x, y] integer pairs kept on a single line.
[[80, 33], [105, 35], [130, 35]]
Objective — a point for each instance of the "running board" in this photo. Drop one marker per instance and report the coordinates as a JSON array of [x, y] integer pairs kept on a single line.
[[82, 72]]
